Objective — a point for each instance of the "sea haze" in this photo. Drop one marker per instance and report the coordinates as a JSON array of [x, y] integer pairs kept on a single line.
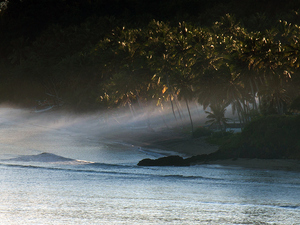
[[61, 169]]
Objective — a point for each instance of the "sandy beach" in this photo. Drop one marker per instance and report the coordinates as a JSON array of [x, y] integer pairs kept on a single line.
[[185, 145], [165, 139], [262, 164]]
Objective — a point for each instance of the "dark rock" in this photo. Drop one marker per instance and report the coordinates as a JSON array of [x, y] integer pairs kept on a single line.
[[174, 160], [197, 159], [205, 158]]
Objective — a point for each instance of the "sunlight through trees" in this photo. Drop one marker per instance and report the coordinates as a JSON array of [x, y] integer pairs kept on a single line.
[[106, 61]]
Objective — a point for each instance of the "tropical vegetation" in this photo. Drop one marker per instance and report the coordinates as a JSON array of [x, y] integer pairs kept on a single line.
[[266, 137], [95, 54]]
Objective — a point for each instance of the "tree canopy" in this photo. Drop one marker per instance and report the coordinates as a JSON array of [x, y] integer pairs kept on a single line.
[[109, 54]]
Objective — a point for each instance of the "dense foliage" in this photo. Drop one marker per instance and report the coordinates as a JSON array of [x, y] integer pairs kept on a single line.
[[106, 54], [267, 137]]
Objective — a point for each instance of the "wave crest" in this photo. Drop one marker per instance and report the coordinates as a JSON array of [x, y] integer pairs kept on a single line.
[[43, 157]]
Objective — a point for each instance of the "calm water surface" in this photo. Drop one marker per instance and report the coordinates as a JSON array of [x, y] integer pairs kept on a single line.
[[61, 172]]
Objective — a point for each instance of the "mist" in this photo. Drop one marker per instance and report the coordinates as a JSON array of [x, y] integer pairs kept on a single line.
[[24, 132]]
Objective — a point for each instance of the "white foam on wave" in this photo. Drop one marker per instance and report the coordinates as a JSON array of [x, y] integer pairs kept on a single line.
[[48, 158]]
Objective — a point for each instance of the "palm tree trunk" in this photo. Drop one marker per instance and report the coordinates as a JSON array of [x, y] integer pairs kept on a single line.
[[188, 108], [178, 109], [130, 108], [172, 107], [259, 98], [163, 118], [170, 96], [253, 95]]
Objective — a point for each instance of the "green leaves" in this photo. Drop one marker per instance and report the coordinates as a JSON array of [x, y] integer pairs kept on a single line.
[[163, 61], [223, 64], [217, 116]]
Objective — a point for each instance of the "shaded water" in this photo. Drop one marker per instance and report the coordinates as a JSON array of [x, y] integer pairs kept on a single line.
[[60, 172]]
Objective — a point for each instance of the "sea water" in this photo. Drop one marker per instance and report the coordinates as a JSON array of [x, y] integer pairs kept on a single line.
[[58, 172]]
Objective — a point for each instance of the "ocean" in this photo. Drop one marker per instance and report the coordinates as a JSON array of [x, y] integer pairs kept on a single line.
[[58, 169]]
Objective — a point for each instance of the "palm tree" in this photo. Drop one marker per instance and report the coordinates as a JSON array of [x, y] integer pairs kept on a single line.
[[217, 116]]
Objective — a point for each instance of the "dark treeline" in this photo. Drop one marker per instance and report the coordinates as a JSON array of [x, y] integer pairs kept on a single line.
[[101, 54]]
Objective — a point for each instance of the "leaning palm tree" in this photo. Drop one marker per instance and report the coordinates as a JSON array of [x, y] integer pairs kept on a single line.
[[217, 116]]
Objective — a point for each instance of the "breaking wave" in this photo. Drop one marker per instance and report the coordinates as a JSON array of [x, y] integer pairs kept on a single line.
[[43, 157]]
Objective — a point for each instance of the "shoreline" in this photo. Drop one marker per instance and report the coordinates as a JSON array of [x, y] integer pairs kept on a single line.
[[172, 141], [259, 164], [164, 139]]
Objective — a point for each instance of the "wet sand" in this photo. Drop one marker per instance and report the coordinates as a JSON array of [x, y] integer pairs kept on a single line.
[[262, 164], [165, 139]]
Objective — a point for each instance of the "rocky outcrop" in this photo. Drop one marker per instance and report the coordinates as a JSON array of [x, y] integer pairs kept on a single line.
[[173, 160], [176, 160]]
